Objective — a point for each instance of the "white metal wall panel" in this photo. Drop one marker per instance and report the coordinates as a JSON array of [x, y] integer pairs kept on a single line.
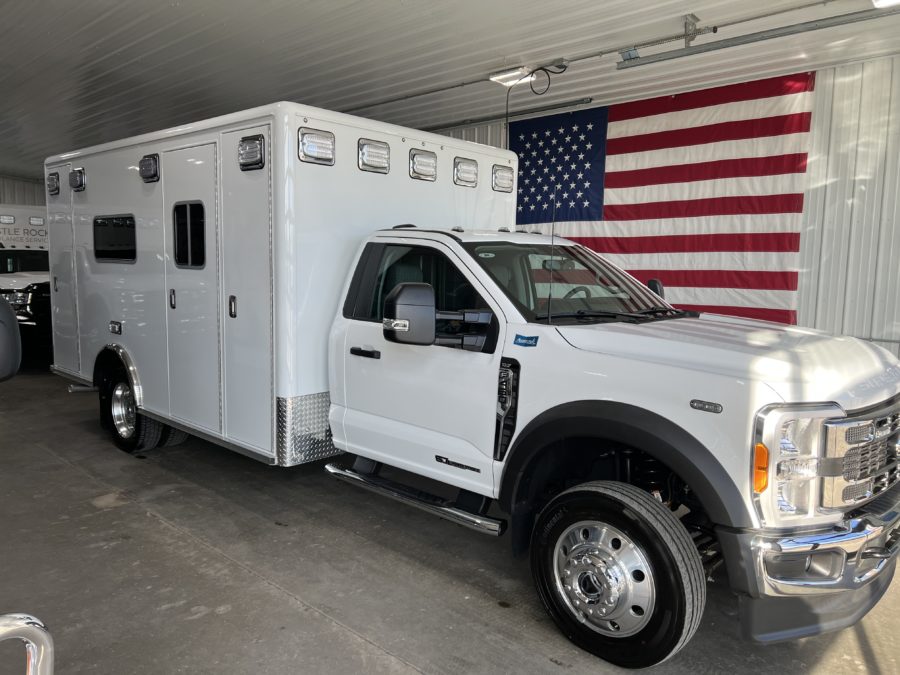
[[490, 133], [851, 235], [23, 191]]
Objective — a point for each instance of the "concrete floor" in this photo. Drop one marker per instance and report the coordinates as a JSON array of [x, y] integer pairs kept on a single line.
[[195, 559]]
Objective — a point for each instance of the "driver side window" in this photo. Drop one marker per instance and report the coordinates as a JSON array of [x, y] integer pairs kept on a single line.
[[400, 263]]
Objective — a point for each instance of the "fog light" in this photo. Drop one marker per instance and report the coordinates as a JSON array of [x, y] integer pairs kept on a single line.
[[252, 153], [502, 178], [422, 165], [316, 147]]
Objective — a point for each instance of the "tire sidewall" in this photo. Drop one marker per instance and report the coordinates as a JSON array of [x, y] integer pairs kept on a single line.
[[665, 627]]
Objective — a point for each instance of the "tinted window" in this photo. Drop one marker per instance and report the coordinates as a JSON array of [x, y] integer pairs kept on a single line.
[[12, 260], [190, 235], [114, 238]]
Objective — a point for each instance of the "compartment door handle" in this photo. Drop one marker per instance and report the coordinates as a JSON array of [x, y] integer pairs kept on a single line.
[[172, 298], [232, 306]]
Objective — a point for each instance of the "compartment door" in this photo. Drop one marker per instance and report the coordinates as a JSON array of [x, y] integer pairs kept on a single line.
[[247, 295], [64, 309], [192, 286]]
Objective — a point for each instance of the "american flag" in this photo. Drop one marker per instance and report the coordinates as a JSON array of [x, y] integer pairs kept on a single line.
[[702, 190]]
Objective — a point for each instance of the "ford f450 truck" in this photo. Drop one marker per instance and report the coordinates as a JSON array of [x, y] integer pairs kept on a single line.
[[295, 284]]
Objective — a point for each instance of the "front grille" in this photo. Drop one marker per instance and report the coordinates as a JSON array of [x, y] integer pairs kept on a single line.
[[867, 450], [865, 460]]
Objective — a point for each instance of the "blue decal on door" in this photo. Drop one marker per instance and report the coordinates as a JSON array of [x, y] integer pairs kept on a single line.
[[526, 340]]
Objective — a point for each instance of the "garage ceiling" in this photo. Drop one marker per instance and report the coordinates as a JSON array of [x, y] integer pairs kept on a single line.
[[77, 74]]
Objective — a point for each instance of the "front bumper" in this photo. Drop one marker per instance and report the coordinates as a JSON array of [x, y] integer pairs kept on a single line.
[[794, 585]]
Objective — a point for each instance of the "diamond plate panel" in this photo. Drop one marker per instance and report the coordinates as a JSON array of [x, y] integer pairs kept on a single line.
[[303, 433]]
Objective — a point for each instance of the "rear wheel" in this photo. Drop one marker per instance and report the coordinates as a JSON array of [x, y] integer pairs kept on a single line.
[[130, 430], [172, 436], [618, 572]]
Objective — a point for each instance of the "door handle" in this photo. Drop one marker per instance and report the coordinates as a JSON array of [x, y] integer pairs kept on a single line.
[[368, 353], [55, 285], [232, 306], [172, 298]]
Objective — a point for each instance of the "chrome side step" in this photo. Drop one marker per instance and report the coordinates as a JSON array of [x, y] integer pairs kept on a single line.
[[434, 505]]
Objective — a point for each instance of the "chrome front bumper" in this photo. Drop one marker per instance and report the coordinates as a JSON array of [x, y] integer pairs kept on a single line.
[[844, 558]]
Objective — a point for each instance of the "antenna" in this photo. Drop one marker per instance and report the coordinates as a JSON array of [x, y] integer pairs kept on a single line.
[[552, 246]]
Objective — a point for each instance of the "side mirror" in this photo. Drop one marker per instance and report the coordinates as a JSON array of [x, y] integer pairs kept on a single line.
[[656, 286], [10, 342], [409, 314]]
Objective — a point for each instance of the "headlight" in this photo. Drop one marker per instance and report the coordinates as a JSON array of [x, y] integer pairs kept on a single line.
[[789, 464], [17, 299]]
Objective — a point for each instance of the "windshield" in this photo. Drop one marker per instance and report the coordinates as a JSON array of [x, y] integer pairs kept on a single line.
[[566, 284], [12, 260]]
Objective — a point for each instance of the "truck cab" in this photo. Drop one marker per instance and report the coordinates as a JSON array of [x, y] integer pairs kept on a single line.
[[630, 446]]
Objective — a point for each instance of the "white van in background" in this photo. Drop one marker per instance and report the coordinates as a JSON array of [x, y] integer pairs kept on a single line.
[[25, 265]]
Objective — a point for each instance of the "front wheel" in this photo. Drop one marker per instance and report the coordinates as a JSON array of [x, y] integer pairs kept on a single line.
[[618, 573], [131, 431]]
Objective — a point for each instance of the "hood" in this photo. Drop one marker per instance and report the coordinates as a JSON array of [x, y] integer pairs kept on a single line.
[[800, 364], [16, 281]]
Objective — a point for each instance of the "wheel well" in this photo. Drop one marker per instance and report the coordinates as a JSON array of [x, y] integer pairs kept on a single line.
[[107, 363], [570, 461]]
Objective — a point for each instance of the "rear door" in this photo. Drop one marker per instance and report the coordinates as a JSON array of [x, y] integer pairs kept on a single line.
[[192, 286], [64, 310]]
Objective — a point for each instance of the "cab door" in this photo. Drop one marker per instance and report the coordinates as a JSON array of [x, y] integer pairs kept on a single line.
[[64, 310], [428, 409]]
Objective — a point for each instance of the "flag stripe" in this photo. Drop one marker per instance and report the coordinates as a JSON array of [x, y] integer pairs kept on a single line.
[[765, 261], [726, 112], [746, 91], [760, 313], [770, 222], [781, 280], [766, 146], [724, 168], [711, 133], [746, 186], [680, 243], [731, 297], [719, 206]]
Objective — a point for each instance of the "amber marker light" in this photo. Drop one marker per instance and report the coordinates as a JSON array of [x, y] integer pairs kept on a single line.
[[760, 468]]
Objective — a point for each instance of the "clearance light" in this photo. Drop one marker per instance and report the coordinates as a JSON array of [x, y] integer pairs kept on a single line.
[[760, 468], [422, 165], [35, 221], [502, 178], [148, 168], [316, 147], [77, 180], [252, 152], [465, 172], [374, 156], [53, 183]]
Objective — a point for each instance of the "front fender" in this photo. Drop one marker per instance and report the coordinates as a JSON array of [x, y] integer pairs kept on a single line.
[[634, 427]]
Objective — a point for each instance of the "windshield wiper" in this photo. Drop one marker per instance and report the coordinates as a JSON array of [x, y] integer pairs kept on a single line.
[[591, 314], [671, 311]]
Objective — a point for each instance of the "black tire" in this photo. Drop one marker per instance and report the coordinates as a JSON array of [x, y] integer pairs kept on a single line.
[[666, 559], [144, 434], [172, 436]]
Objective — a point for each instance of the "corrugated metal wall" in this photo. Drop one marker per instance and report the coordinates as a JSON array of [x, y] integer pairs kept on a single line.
[[849, 278], [21, 191]]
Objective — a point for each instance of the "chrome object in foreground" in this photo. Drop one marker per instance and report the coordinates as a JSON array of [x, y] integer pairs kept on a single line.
[[37, 639]]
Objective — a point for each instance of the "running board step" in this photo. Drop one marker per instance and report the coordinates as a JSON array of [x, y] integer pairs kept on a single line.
[[433, 504]]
